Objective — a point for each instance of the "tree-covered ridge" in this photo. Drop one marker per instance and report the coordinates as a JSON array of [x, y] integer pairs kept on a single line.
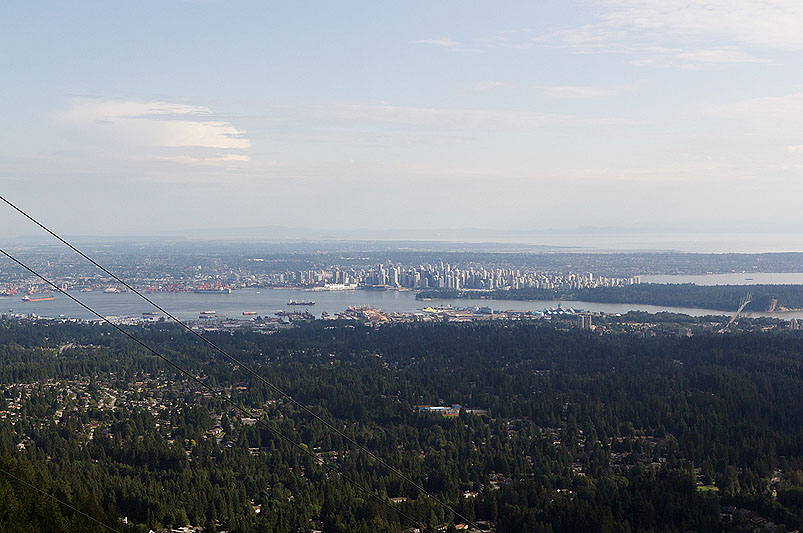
[[583, 432], [716, 297]]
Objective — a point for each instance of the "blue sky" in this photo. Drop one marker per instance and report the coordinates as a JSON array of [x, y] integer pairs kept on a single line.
[[164, 117]]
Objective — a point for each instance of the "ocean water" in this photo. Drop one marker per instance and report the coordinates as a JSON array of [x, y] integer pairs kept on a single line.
[[266, 302]]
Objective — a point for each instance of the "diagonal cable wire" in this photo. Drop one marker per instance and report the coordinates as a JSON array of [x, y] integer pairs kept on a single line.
[[214, 391], [62, 502], [248, 370]]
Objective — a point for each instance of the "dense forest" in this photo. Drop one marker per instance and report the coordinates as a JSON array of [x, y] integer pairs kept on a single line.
[[558, 430], [715, 297]]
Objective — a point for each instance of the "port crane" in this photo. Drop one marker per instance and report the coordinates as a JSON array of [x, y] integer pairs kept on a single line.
[[742, 304]]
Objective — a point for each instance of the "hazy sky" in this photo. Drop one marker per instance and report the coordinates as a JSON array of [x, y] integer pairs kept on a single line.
[[165, 116]]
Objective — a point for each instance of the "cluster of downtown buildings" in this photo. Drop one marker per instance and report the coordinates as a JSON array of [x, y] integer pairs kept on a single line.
[[444, 276], [181, 275]]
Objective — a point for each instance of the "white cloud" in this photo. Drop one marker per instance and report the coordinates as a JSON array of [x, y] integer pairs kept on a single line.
[[689, 33], [462, 119], [574, 91], [443, 42], [767, 23], [712, 56], [786, 108], [142, 127], [218, 159], [92, 109]]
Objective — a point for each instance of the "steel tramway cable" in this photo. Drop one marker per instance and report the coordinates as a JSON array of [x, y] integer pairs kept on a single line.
[[57, 499], [248, 369], [216, 393]]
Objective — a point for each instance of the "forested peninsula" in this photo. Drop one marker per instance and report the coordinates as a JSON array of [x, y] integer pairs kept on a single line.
[[715, 297]]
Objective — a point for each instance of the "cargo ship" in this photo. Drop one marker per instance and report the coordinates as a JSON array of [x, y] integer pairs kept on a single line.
[[39, 299], [219, 290], [208, 312], [247, 313], [300, 302]]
